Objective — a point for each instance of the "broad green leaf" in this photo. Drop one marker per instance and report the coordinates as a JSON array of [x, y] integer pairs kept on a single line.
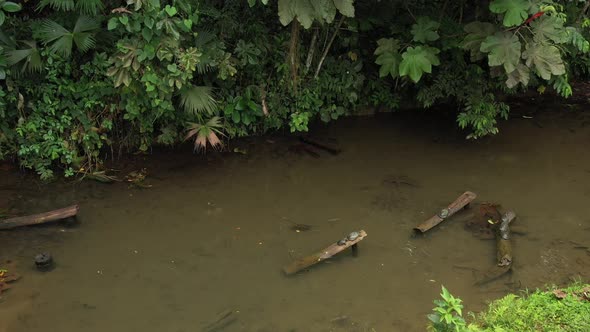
[[304, 12], [388, 57], [170, 10], [548, 28], [503, 49], [520, 75], [424, 30], [345, 7], [300, 9], [546, 59], [113, 23], [124, 20], [11, 7], [251, 3], [325, 10], [2, 17], [515, 11], [417, 61], [477, 32], [286, 12]]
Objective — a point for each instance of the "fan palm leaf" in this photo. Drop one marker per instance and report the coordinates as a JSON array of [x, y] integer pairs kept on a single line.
[[61, 5], [89, 7], [31, 56], [207, 133], [61, 40], [198, 99]]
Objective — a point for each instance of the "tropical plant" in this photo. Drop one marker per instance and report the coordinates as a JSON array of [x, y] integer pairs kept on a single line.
[[206, 133]]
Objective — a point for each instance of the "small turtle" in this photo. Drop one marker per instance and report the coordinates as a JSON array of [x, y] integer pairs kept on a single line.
[[342, 242], [443, 213], [353, 236]]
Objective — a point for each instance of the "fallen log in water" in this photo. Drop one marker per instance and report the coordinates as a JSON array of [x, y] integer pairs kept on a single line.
[[503, 251], [40, 218], [305, 262], [461, 202], [320, 145]]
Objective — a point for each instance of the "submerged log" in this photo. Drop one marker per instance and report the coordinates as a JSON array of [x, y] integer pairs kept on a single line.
[[223, 320], [320, 145], [461, 202], [503, 251], [324, 254], [40, 218], [504, 248]]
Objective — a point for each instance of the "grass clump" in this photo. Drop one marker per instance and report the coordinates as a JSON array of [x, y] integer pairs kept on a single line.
[[554, 309]]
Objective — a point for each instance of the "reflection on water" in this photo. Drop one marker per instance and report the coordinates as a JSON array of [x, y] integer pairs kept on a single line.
[[203, 249]]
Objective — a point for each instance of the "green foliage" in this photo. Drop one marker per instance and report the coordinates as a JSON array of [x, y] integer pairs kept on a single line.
[[503, 49], [540, 310], [514, 11], [418, 60], [83, 77], [447, 314], [388, 57], [308, 11], [425, 30]]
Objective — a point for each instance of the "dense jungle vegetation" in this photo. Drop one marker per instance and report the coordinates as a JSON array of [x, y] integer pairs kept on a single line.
[[86, 80]]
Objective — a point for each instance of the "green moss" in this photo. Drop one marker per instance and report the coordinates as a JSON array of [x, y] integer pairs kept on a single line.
[[539, 311]]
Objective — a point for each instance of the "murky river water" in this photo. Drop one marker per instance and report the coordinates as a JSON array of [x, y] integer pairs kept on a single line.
[[211, 236]]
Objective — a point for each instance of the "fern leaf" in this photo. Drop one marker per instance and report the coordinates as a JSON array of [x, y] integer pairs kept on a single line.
[[198, 99]]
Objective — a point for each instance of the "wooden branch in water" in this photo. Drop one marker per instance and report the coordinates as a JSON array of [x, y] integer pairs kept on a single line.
[[503, 251], [324, 254], [40, 218], [457, 205]]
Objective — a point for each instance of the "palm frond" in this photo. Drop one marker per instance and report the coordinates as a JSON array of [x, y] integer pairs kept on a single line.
[[61, 40], [84, 33], [7, 41], [204, 133], [31, 57], [198, 99], [61, 5], [89, 7]]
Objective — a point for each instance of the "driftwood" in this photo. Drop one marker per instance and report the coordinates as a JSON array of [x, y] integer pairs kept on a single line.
[[461, 202], [40, 218], [324, 254], [503, 251]]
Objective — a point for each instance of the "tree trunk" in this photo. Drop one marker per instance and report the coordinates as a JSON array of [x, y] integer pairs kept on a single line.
[[293, 54]]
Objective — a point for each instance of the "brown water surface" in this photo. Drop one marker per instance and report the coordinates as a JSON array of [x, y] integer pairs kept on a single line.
[[212, 233]]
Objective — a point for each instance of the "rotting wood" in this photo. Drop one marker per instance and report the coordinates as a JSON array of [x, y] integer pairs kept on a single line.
[[461, 202], [503, 252], [324, 254], [40, 218]]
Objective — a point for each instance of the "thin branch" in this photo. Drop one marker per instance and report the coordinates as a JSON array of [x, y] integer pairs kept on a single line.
[[314, 39], [317, 71], [409, 11], [442, 12], [583, 12]]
